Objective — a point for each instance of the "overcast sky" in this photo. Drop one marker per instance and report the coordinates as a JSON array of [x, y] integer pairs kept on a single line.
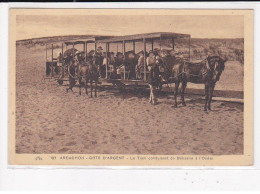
[[198, 26]]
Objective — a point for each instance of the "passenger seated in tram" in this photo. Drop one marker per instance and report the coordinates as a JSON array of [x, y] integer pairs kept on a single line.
[[59, 59], [112, 64], [119, 60], [173, 54], [79, 57], [109, 61], [140, 65], [90, 56]]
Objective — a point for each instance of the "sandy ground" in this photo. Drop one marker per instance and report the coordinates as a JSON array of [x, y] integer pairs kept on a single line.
[[49, 120]]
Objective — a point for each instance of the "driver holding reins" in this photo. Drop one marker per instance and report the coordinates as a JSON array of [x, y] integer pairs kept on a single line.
[[77, 61], [151, 60]]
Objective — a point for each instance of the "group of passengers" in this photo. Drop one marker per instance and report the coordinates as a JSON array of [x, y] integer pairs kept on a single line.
[[132, 64]]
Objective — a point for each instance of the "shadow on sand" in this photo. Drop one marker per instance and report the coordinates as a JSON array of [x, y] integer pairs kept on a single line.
[[192, 100]]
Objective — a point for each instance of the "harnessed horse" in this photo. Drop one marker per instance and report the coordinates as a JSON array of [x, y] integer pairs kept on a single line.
[[207, 71], [84, 70]]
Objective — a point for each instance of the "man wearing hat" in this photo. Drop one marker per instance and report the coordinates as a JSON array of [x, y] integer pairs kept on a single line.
[[76, 61], [151, 60], [140, 65], [173, 54], [99, 61], [99, 50]]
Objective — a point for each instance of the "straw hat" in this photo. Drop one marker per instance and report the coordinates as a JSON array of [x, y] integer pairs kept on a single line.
[[100, 48]]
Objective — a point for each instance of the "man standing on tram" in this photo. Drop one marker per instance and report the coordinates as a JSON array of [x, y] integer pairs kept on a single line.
[[99, 58]]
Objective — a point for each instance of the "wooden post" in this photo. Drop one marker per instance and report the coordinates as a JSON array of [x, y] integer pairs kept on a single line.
[[46, 59], [116, 47], [123, 48], [134, 46], [51, 52], [144, 59], [46, 54], [189, 48], [172, 43], [52, 69], [62, 67], [152, 44], [73, 50], [86, 50], [107, 50], [62, 50], [95, 46], [160, 42]]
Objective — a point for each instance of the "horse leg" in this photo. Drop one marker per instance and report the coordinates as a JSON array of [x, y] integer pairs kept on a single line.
[[183, 86], [211, 90], [91, 88], [96, 81], [80, 86], [176, 93], [151, 90], [206, 95], [86, 87], [152, 99], [71, 84], [151, 94]]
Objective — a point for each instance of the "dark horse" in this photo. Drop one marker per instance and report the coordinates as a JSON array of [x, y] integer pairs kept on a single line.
[[86, 70], [207, 71]]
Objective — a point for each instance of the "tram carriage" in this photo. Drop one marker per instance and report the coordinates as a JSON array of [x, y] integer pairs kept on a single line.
[[145, 39], [58, 69]]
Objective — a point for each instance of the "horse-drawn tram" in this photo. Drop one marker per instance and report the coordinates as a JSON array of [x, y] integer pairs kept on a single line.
[[57, 66], [133, 69], [124, 60], [135, 66]]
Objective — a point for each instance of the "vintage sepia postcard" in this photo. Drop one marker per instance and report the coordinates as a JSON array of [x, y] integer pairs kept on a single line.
[[131, 87]]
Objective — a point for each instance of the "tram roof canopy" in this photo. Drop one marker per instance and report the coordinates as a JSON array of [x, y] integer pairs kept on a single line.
[[154, 35], [91, 39]]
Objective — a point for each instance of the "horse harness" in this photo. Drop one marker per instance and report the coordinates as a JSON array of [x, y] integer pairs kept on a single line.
[[204, 73]]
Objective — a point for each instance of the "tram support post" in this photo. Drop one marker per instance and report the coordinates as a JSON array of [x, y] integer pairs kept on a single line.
[[189, 48], [123, 47], [51, 52], [107, 50], [144, 41], [46, 58], [160, 42], [85, 51], [172, 43], [152, 44], [134, 46], [52, 68], [73, 50], [62, 64]]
